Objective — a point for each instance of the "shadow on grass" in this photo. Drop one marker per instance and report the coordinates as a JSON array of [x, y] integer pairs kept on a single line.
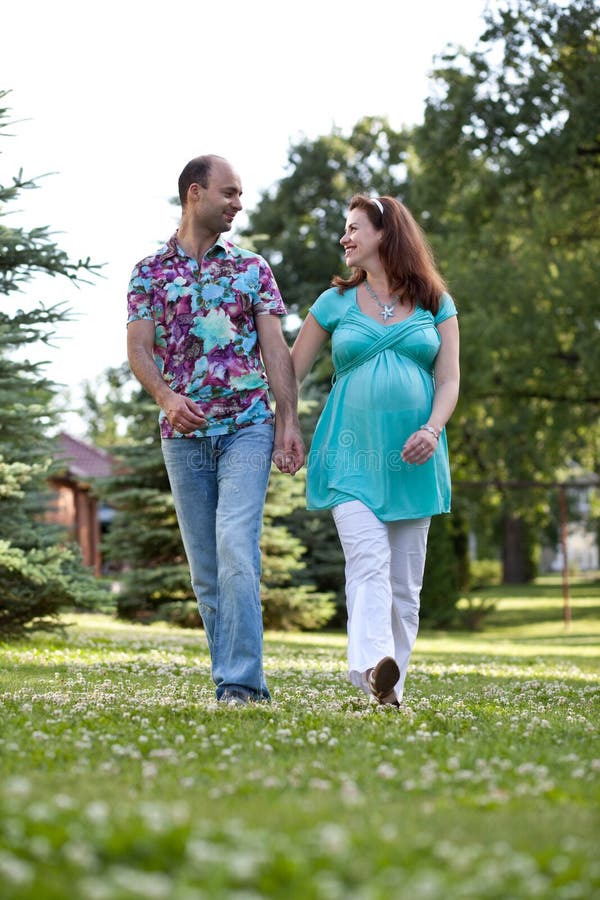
[[513, 618]]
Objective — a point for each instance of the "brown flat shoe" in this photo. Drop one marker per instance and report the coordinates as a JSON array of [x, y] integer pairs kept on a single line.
[[382, 679]]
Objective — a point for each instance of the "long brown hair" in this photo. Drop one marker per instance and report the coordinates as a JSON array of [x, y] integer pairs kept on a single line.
[[404, 251]]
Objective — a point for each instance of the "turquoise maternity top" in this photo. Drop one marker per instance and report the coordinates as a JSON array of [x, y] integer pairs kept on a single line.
[[382, 391]]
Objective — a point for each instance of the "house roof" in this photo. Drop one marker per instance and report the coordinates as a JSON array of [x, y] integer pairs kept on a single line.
[[82, 460]]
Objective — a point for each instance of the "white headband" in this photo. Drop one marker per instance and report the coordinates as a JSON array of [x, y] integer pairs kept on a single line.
[[378, 204]]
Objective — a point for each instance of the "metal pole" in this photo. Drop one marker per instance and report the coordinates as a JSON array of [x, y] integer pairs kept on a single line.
[[562, 502]]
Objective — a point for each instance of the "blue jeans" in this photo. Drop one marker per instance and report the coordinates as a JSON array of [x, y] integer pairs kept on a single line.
[[219, 485]]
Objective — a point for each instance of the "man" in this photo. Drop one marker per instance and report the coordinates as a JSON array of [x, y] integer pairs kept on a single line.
[[204, 338]]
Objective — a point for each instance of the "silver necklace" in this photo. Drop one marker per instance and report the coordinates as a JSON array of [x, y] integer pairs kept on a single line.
[[386, 309]]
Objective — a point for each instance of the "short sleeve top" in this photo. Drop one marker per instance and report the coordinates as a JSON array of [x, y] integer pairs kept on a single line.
[[383, 391], [206, 343]]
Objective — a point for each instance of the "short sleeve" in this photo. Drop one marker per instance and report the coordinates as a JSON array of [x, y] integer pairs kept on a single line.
[[447, 309], [268, 299], [329, 307], [139, 296]]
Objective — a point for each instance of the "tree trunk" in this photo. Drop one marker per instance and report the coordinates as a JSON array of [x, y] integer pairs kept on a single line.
[[516, 562]]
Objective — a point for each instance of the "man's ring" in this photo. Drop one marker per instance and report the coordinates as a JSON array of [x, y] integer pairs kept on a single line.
[[422, 445]]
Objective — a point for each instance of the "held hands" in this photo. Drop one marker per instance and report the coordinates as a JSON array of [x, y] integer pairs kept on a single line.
[[183, 414], [288, 452], [419, 448]]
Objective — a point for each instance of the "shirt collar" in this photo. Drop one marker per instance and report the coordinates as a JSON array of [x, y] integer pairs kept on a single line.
[[172, 248]]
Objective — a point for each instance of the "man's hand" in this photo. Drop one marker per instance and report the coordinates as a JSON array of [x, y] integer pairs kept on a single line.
[[183, 414], [288, 453]]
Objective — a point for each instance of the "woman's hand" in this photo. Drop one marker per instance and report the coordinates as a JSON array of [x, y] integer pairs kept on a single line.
[[419, 448]]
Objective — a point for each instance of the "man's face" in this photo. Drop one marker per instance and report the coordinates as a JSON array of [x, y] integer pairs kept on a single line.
[[218, 204]]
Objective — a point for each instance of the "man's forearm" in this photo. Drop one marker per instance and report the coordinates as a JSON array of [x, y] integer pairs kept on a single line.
[[282, 382], [146, 371]]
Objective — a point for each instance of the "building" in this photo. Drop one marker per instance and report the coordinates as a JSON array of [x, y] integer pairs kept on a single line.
[[75, 507]]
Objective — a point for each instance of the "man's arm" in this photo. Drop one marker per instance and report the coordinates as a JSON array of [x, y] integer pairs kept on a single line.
[[288, 450], [183, 414]]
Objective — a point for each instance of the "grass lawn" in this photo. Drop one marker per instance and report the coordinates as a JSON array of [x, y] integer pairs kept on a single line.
[[122, 778]]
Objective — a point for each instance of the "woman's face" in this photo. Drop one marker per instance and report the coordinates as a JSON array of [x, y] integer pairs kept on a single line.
[[360, 240]]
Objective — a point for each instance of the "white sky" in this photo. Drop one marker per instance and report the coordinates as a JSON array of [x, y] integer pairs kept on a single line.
[[115, 98]]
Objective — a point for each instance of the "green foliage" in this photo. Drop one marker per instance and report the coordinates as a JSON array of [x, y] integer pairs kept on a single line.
[[316, 529], [442, 576], [323, 555], [288, 599], [484, 573], [38, 584], [298, 223], [143, 544], [40, 573], [507, 182], [106, 405]]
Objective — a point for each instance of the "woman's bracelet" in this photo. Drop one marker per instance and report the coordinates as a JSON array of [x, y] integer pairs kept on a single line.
[[431, 430]]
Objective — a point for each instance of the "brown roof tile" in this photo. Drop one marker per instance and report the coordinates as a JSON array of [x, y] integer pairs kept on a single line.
[[83, 460]]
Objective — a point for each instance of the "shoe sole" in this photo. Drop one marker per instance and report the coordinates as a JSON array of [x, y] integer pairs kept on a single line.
[[384, 677]]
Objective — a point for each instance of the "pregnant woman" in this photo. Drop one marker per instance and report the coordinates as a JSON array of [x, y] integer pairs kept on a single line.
[[379, 455]]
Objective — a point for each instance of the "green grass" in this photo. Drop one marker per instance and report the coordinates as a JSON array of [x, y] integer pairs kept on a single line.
[[122, 778]]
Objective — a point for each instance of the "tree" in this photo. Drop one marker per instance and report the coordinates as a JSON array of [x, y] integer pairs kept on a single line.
[[143, 542], [297, 224], [40, 571], [288, 596], [508, 180]]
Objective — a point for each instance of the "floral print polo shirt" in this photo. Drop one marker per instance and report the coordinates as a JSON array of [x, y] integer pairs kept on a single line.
[[206, 343]]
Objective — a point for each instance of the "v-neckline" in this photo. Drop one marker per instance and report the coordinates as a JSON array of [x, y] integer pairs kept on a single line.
[[376, 321]]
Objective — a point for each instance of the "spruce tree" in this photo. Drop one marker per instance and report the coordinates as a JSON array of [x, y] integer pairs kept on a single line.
[[40, 571], [289, 595], [143, 543]]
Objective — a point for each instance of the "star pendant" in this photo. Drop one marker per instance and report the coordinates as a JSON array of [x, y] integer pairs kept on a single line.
[[387, 312]]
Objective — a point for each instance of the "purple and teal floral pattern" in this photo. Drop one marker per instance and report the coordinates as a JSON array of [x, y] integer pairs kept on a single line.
[[206, 344]]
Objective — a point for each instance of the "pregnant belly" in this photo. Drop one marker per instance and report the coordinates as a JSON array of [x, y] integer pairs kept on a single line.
[[396, 392]]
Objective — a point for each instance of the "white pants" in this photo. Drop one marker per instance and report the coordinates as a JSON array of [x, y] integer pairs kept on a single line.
[[384, 575]]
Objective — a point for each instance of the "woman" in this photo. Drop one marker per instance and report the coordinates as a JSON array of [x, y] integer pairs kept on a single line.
[[379, 455]]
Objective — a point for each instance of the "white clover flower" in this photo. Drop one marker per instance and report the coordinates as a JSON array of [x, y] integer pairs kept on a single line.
[[78, 853], [148, 885], [17, 786], [97, 812], [15, 870]]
